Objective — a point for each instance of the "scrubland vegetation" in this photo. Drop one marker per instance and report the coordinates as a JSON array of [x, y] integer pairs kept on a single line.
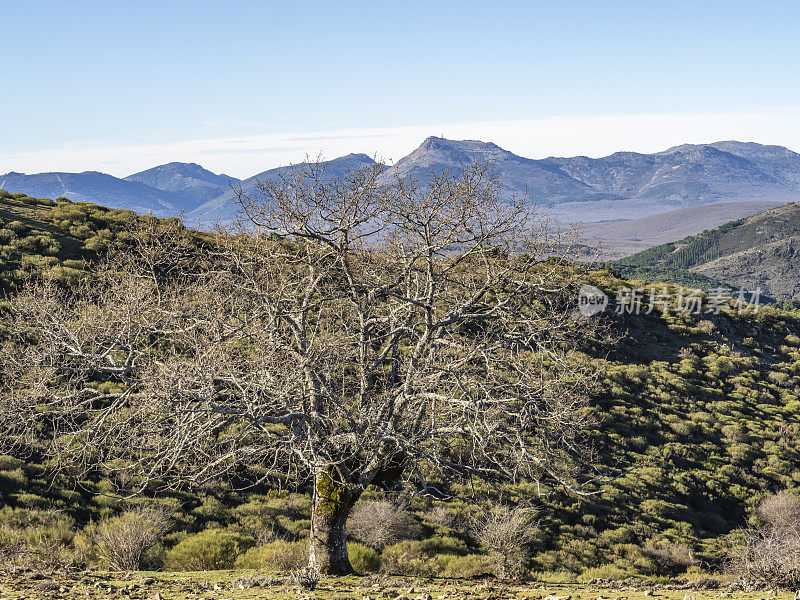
[[692, 425]]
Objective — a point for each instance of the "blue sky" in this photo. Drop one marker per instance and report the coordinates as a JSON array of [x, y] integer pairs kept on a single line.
[[117, 86]]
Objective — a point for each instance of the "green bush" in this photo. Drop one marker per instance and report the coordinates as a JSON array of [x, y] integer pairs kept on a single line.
[[363, 558], [40, 539], [609, 571], [423, 558], [209, 550], [275, 556], [460, 567], [9, 463]]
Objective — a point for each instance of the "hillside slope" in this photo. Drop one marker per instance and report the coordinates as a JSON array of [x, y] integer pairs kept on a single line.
[[57, 240], [759, 251], [695, 416], [622, 238], [624, 185]]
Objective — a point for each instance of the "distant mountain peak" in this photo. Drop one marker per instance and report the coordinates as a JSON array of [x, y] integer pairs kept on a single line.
[[357, 157], [193, 182], [437, 143]]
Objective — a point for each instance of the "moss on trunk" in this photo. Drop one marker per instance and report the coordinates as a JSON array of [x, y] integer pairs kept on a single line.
[[328, 541]]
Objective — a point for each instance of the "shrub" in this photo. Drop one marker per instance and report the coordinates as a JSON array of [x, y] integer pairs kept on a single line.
[[611, 572], [442, 516], [306, 578], [36, 538], [780, 512], [772, 558], [507, 533], [209, 550], [420, 558], [123, 542], [380, 523], [363, 558], [461, 567], [672, 559], [406, 558], [772, 551], [275, 556]]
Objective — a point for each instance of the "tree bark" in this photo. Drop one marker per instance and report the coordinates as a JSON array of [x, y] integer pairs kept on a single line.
[[327, 552]]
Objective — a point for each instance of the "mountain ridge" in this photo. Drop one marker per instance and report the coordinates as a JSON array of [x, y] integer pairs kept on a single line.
[[622, 185]]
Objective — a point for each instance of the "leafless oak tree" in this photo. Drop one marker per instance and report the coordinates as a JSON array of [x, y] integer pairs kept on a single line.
[[358, 332]]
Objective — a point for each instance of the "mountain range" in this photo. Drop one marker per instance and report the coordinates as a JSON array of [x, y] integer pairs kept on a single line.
[[623, 185]]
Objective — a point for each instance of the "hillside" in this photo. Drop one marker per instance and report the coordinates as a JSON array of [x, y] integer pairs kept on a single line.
[[618, 239], [56, 240], [759, 251], [623, 185], [695, 417]]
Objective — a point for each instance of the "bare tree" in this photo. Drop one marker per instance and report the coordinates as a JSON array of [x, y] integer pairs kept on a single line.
[[357, 332]]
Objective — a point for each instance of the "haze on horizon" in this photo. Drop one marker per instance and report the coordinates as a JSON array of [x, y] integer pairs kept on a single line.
[[244, 87]]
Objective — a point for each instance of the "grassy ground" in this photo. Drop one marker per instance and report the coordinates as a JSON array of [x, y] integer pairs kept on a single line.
[[240, 585]]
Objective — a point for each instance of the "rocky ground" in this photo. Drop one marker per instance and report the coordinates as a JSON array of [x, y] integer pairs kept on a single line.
[[240, 585]]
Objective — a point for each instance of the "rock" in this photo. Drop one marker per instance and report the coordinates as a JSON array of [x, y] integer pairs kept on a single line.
[[690, 597], [425, 596], [706, 584]]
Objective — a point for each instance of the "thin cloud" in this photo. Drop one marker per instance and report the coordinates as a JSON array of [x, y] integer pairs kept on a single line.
[[588, 135]]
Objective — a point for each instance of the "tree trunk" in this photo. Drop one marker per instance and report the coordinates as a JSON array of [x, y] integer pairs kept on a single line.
[[327, 552]]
